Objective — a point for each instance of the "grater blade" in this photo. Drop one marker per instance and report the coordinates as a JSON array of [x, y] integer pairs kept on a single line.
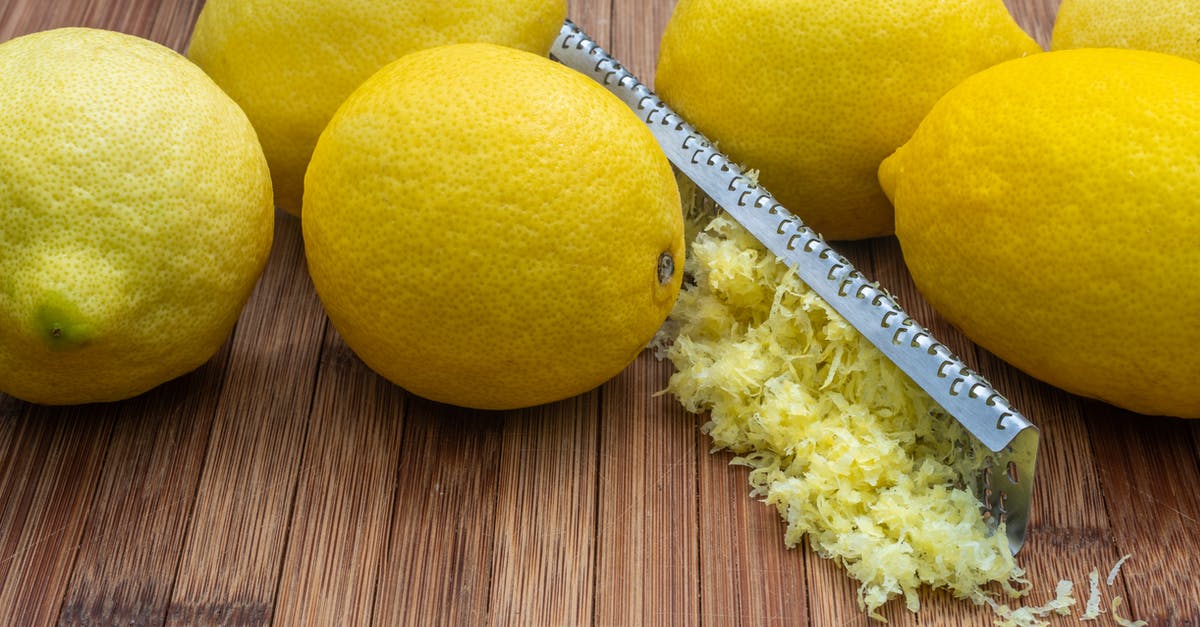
[[1004, 481]]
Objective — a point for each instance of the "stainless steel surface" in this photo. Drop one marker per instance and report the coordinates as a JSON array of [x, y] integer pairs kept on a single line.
[[1005, 483]]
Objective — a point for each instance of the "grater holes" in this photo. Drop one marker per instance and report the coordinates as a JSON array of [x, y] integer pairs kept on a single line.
[[956, 386], [974, 392]]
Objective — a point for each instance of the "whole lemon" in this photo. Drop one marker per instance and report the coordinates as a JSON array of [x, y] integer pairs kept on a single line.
[[1169, 26], [135, 215], [815, 94], [1050, 208], [290, 63], [491, 229]]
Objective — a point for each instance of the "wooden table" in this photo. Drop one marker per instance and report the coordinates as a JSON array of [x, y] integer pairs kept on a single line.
[[285, 483]]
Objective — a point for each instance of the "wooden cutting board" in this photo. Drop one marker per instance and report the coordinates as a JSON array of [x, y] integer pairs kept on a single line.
[[285, 483]]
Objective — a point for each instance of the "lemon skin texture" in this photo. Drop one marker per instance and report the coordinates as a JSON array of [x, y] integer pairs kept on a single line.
[[135, 216], [1172, 27], [290, 63], [485, 228], [814, 95], [1050, 208]]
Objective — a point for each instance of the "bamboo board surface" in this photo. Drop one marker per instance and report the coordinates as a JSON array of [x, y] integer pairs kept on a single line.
[[285, 483]]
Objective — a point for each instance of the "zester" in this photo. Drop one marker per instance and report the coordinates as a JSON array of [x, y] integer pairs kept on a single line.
[[1004, 484]]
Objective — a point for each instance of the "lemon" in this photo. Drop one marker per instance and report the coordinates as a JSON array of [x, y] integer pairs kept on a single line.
[[290, 63], [815, 94], [1168, 26], [490, 229], [135, 216], [1050, 208]]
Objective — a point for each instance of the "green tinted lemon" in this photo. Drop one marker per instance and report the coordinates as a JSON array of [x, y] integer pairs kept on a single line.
[[1050, 208], [290, 63], [815, 94], [135, 215], [490, 229]]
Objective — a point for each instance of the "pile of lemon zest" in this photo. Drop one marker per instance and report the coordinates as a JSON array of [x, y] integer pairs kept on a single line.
[[847, 448]]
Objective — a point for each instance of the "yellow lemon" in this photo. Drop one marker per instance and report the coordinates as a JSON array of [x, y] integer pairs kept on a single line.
[[490, 229], [290, 63], [135, 215], [815, 94], [1050, 208], [1169, 26]]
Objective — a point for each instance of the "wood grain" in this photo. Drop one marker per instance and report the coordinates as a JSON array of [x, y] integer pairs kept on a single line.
[[346, 493], [240, 520], [438, 565], [129, 552], [285, 483]]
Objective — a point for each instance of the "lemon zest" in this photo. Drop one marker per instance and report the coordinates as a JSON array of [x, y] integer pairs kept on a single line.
[[1061, 604], [847, 448], [1092, 610], [1116, 569], [1121, 620]]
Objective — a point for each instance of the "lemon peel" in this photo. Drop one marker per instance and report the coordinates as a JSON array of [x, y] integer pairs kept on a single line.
[[63, 326], [815, 94], [1166, 26], [1046, 206], [464, 254], [291, 63], [135, 215]]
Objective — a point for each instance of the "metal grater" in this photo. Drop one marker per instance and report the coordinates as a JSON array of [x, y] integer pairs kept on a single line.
[[1004, 483]]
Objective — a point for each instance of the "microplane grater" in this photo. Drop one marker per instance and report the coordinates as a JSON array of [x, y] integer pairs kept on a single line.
[[1004, 484]]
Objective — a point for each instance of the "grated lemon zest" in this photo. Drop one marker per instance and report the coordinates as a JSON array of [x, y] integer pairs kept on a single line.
[[1121, 620], [1061, 604], [1116, 569], [846, 447], [1092, 610]]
